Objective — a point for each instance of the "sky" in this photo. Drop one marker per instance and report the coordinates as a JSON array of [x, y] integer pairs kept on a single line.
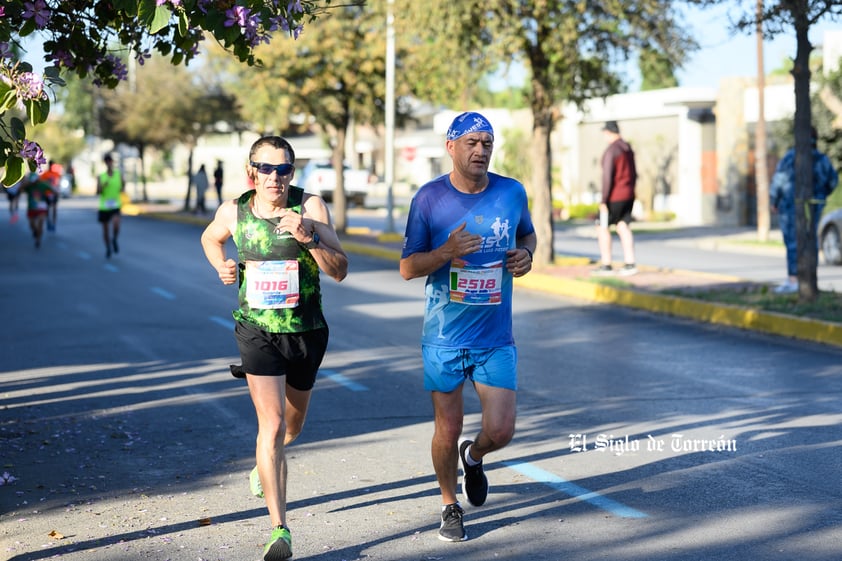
[[723, 55]]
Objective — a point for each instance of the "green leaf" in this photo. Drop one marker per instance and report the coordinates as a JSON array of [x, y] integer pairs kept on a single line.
[[14, 170], [146, 11], [38, 110], [8, 100], [52, 72], [18, 128], [183, 24], [161, 19]]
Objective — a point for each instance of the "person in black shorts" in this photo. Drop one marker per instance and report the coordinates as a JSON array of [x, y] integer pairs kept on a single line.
[[284, 238], [619, 176]]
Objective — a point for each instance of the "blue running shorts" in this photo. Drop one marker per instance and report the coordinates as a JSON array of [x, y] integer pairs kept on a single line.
[[445, 369]]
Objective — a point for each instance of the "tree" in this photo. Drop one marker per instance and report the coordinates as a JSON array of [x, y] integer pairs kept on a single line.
[[80, 36], [136, 114], [332, 77], [799, 16], [656, 69], [568, 46]]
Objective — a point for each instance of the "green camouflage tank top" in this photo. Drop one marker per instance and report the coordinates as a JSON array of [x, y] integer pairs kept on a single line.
[[269, 299]]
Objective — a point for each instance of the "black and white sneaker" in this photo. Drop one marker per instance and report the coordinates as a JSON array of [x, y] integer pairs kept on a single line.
[[474, 482], [452, 529], [627, 270]]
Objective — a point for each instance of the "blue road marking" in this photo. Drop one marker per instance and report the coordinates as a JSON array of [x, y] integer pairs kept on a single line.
[[342, 380], [580, 493], [226, 323], [163, 293], [112, 268]]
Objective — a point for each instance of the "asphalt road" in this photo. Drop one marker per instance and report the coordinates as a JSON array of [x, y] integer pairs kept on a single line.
[[640, 437]]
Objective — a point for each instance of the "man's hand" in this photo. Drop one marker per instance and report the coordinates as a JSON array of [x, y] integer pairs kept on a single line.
[[227, 271], [518, 262], [461, 243]]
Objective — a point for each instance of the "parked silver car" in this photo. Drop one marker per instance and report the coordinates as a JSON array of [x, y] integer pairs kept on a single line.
[[830, 228]]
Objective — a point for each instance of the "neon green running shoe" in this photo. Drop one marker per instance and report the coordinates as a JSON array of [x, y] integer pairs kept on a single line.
[[279, 546], [254, 483]]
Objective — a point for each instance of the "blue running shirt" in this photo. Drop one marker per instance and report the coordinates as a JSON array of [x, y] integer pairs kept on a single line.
[[469, 300]]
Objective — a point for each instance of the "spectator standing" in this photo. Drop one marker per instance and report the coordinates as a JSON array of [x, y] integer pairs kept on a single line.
[[782, 201], [217, 180], [619, 176], [200, 180]]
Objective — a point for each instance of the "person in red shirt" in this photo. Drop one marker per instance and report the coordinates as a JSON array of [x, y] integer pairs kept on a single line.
[[619, 176], [52, 176]]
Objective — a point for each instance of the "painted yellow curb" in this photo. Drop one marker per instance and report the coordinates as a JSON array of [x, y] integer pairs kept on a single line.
[[721, 314]]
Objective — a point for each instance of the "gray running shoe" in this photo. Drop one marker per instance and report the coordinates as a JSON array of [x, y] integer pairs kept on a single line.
[[452, 529], [474, 482]]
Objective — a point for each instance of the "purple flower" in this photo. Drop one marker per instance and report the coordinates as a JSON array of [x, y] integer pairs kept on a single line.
[[5, 50], [295, 7], [119, 69], [31, 151], [2, 11], [30, 86], [62, 58], [142, 56], [238, 15], [38, 10]]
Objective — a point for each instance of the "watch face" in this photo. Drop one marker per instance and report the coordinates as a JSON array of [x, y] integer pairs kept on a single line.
[[316, 238]]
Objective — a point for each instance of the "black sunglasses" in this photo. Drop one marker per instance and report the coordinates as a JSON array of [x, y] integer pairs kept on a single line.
[[267, 169]]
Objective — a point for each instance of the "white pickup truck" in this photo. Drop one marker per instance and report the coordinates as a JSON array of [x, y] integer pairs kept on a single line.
[[319, 178]]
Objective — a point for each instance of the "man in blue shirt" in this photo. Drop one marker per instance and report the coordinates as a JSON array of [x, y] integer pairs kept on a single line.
[[470, 233], [782, 201]]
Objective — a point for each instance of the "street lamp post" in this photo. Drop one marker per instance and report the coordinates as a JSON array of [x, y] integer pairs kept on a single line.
[[389, 150]]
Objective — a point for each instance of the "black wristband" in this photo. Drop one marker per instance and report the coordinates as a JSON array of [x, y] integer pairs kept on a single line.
[[527, 251]]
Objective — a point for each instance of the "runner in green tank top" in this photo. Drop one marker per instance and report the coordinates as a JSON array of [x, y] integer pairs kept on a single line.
[[284, 237], [110, 187]]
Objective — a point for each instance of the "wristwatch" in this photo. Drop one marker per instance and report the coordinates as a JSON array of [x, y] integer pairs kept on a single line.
[[314, 243]]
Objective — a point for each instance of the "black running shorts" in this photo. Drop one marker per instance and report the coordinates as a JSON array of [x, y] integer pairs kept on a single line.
[[294, 355]]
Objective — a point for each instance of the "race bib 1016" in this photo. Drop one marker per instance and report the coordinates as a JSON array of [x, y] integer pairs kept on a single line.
[[272, 284]]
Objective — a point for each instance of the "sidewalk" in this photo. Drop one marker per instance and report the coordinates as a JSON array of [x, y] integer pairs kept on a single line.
[[571, 277]]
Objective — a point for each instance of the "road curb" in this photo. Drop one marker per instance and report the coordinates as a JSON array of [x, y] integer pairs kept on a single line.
[[720, 314]]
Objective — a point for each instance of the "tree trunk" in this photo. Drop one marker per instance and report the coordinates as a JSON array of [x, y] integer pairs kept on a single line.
[[542, 208], [340, 201], [804, 219], [141, 149], [189, 180]]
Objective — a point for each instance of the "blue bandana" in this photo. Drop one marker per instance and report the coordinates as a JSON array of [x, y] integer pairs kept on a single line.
[[468, 122]]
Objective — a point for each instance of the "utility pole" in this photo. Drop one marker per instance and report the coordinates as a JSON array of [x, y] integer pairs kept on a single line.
[[389, 149], [761, 172]]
